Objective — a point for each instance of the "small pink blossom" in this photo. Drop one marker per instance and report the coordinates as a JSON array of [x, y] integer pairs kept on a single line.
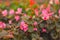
[[17, 18], [35, 29], [10, 21], [59, 12], [19, 11], [56, 1], [46, 14], [4, 13], [43, 30], [36, 12], [25, 15], [11, 12], [22, 22], [35, 23], [2, 25], [45, 17], [23, 26]]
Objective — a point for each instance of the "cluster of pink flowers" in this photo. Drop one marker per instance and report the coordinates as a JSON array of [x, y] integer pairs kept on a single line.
[[35, 24], [46, 13], [23, 26], [11, 12]]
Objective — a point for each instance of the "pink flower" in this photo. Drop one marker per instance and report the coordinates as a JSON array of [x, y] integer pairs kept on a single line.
[[2, 25], [36, 12], [35, 23], [56, 1], [17, 18], [23, 26], [59, 12], [4, 13], [35, 29], [25, 15], [45, 17], [10, 21], [46, 14], [22, 22], [11, 12], [43, 30], [19, 11]]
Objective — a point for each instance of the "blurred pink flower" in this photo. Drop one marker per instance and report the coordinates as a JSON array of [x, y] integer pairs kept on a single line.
[[43, 30], [59, 12], [19, 11], [10, 21], [45, 17], [2, 25], [46, 14], [17, 18], [4, 13], [35, 23], [11, 12], [35, 29], [36, 12], [56, 1], [25, 15], [23, 26]]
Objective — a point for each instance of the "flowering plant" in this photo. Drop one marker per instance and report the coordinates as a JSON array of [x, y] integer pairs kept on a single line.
[[30, 20]]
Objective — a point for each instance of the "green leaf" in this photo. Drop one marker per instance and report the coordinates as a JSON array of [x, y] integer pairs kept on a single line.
[[3, 6], [30, 29], [13, 6]]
